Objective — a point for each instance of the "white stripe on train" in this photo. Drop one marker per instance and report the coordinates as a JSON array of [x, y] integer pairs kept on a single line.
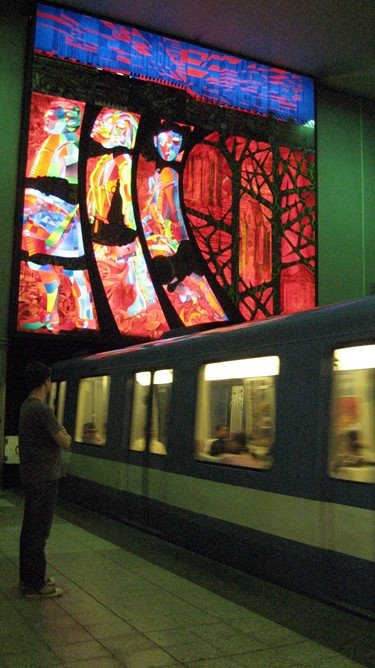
[[344, 529]]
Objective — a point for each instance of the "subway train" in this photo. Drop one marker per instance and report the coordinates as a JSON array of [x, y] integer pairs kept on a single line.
[[252, 444]]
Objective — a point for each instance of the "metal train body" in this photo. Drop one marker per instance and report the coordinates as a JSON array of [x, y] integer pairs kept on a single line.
[[293, 521]]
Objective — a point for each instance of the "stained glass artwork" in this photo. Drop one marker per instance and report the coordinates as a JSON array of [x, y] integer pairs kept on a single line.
[[154, 205]]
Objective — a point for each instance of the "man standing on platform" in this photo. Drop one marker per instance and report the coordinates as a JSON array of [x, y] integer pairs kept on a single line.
[[41, 438]]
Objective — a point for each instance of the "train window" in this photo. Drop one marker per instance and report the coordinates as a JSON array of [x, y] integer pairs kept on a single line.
[[235, 417], [56, 399], [352, 432], [92, 410], [150, 411]]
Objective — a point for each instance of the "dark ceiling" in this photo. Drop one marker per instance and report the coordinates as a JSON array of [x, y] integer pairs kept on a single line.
[[331, 40]]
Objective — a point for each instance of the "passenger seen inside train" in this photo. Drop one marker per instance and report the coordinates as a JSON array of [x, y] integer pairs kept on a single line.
[[92, 435], [221, 442], [234, 450]]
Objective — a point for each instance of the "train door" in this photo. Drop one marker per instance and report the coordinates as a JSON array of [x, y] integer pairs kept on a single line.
[[149, 427], [349, 526]]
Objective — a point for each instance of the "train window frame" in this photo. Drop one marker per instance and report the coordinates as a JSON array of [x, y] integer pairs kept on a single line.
[[57, 399], [351, 434], [240, 446], [145, 434], [96, 430]]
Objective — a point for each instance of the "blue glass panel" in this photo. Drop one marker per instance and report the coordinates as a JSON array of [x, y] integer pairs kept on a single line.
[[205, 74]]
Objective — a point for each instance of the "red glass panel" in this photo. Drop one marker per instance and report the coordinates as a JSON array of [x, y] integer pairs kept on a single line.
[[195, 302], [255, 249], [297, 289], [258, 306], [54, 299], [129, 290], [207, 182], [297, 281], [208, 198]]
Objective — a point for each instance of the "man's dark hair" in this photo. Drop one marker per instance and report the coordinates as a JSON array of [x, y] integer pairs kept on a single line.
[[36, 373]]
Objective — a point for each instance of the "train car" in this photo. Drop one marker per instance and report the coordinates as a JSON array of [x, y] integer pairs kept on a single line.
[[252, 444]]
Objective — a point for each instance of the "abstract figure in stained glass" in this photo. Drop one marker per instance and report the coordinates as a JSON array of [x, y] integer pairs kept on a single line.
[[58, 294], [58, 154], [109, 198], [118, 253], [162, 220], [51, 227], [176, 264]]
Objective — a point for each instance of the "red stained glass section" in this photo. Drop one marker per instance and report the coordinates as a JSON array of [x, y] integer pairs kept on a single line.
[[38, 309], [297, 247], [207, 188]]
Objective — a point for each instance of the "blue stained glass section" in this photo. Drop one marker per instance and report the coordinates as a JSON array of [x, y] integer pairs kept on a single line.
[[207, 75]]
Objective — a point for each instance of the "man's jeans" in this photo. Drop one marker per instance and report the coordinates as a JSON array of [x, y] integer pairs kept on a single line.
[[39, 507]]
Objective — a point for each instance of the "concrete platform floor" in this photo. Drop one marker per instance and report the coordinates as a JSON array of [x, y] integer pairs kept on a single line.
[[131, 599]]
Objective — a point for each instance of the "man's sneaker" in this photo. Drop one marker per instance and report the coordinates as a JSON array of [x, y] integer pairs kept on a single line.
[[48, 591], [49, 580]]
